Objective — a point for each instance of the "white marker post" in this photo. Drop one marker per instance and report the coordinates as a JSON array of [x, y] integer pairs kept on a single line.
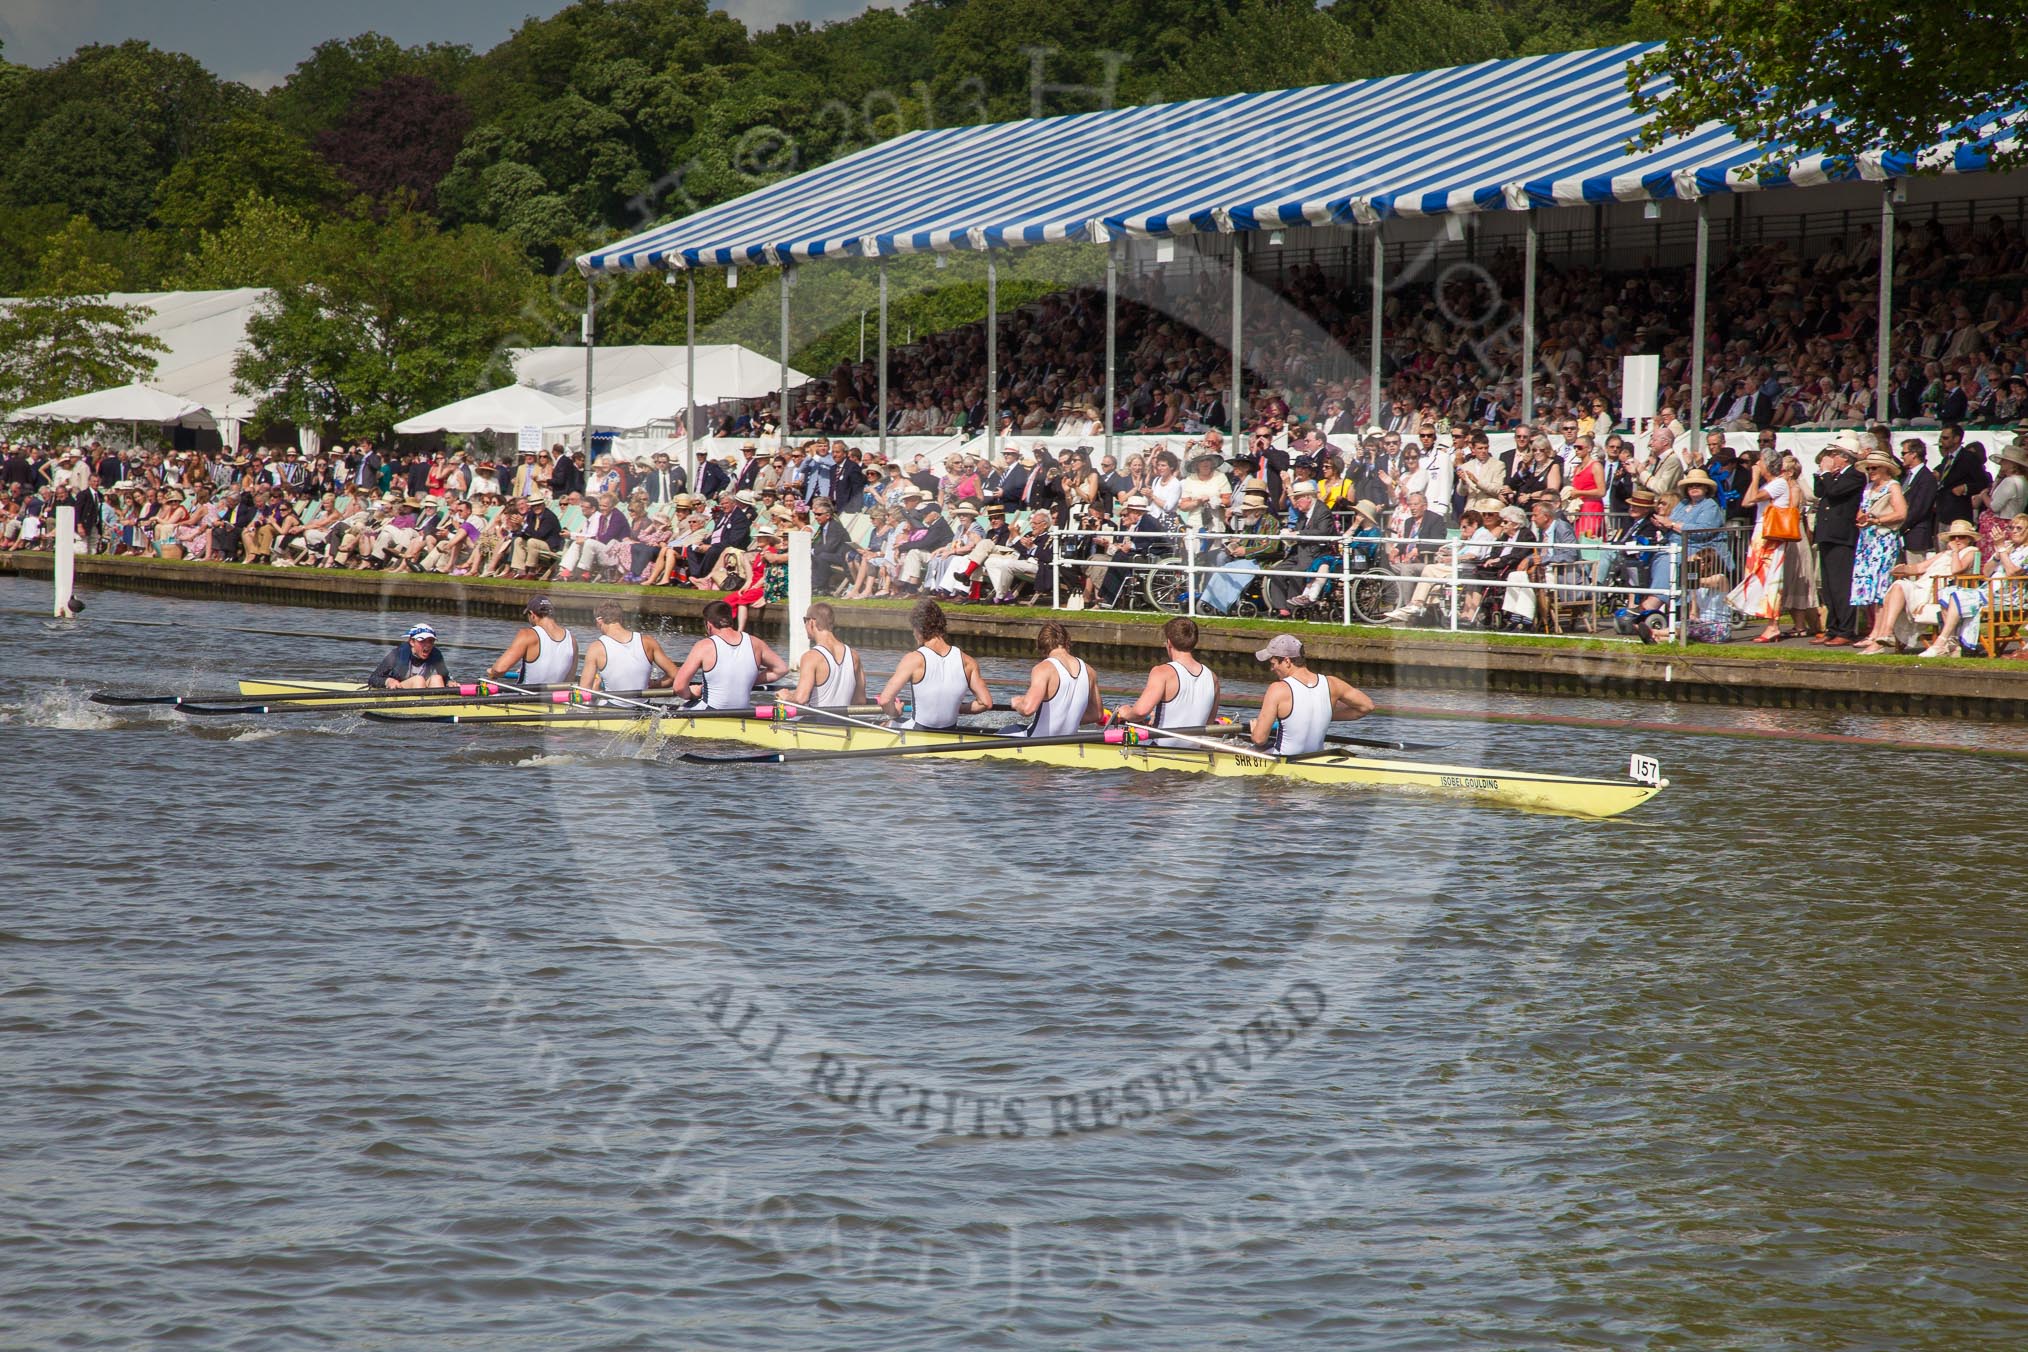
[[799, 593], [66, 558]]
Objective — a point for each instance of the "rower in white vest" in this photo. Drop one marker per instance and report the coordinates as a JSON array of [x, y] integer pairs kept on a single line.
[[1300, 704], [1182, 692], [829, 676], [725, 665], [1062, 696], [542, 653], [937, 676], [621, 658]]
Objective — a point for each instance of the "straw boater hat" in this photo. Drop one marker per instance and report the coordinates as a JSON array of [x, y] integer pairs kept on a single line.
[[1961, 530], [1847, 444], [1697, 476], [1640, 497], [1303, 488], [965, 509]]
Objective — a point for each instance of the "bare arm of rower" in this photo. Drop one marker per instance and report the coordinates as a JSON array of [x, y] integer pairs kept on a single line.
[[858, 678], [772, 667], [1094, 710], [594, 664], [1274, 706], [806, 675], [1030, 701], [1348, 702], [906, 673], [982, 698], [658, 658], [524, 646], [687, 674], [1160, 689]]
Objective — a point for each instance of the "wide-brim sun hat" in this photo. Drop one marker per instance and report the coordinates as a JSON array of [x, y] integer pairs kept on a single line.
[[1961, 530], [1698, 477]]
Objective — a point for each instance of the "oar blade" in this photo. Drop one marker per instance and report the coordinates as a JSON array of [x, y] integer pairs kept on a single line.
[[223, 710], [129, 701]]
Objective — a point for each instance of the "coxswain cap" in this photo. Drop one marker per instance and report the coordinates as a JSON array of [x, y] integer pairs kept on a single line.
[[421, 631]]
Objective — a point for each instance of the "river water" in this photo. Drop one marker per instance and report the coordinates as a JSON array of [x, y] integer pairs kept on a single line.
[[320, 1032]]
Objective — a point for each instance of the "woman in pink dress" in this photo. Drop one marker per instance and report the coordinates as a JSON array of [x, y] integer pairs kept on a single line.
[[1587, 488]]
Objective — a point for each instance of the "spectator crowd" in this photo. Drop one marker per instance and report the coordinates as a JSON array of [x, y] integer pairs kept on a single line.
[[1881, 532]]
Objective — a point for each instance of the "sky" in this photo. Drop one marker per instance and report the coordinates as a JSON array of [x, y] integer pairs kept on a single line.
[[259, 42]]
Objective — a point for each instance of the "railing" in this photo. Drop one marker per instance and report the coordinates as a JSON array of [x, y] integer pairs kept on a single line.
[[1368, 589]]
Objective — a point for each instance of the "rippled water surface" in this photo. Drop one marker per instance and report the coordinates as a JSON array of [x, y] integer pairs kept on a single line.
[[316, 1032]]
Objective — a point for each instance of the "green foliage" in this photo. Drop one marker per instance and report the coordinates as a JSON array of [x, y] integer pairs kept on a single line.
[[261, 243], [66, 337], [1836, 77], [387, 317], [246, 156], [323, 87]]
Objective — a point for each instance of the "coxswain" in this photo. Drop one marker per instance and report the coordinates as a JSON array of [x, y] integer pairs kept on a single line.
[[829, 676], [936, 675], [542, 652], [1300, 704], [1061, 695], [725, 665], [620, 658], [415, 663], [1182, 692]]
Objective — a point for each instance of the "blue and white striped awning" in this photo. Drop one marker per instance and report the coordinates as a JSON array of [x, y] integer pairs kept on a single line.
[[1510, 135]]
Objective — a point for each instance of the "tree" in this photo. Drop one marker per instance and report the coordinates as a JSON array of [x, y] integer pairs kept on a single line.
[[322, 89], [263, 243], [246, 156], [92, 161], [399, 136], [67, 336], [1836, 77], [390, 317]]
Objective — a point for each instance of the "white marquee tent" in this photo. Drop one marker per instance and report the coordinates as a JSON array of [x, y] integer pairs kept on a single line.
[[507, 409]]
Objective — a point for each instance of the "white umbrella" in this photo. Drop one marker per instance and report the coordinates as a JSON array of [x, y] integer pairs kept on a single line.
[[124, 403], [508, 409]]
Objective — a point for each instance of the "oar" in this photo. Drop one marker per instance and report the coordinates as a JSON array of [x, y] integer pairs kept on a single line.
[[354, 694], [576, 713], [1183, 735], [564, 698], [984, 742], [1236, 729]]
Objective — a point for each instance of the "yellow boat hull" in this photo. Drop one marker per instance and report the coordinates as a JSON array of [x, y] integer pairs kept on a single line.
[[1567, 795]]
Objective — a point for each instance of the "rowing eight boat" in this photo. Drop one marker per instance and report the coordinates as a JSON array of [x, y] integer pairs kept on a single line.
[[1568, 795]]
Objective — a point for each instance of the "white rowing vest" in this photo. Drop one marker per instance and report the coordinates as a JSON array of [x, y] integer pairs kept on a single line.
[[1061, 713], [1309, 714], [835, 690], [941, 692], [555, 664], [626, 663], [729, 684], [1195, 702]]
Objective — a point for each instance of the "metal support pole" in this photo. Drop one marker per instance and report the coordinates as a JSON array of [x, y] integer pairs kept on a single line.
[[1345, 579], [883, 359], [690, 373], [1112, 326], [1191, 544], [782, 432], [65, 561], [800, 576], [1238, 341], [591, 302], [1373, 379], [1682, 548], [1694, 415], [1886, 292], [1528, 323], [992, 357]]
